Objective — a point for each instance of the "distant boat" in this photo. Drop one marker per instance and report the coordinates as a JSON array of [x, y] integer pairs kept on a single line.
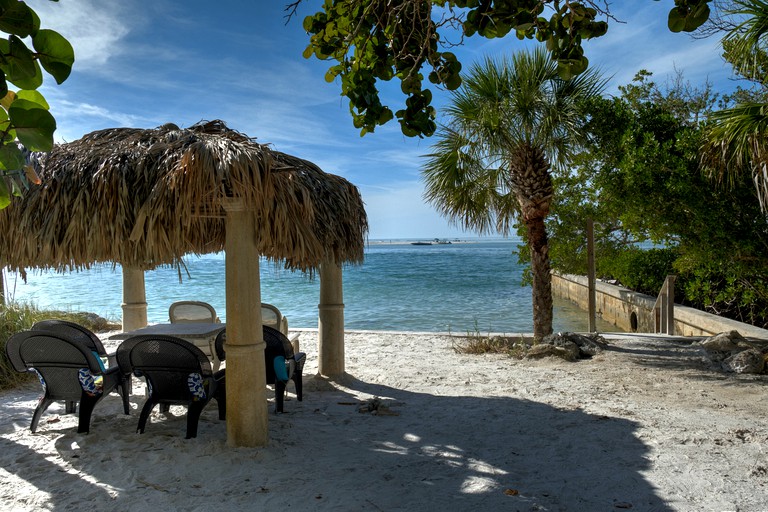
[[437, 241]]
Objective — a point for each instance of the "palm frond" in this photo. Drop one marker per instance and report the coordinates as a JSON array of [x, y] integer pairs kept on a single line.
[[749, 34], [462, 181], [504, 107], [736, 143]]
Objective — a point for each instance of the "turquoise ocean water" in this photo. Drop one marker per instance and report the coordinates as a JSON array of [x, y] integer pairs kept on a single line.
[[466, 286]]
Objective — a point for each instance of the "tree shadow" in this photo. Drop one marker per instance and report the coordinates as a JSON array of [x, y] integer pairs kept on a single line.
[[431, 452], [501, 452], [666, 357], [679, 354], [49, 478]]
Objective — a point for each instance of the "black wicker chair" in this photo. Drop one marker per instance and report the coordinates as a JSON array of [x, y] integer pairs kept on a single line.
[[72, 330], [176, 372], [81, 333], [67, 369], [277, 354]]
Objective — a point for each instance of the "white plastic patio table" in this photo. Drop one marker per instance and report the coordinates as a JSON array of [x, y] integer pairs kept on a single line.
[[202, 335]]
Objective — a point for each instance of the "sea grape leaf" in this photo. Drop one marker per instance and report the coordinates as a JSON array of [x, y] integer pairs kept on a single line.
[[34, 125], [11, 158], [18, 19], [34, 97], [55, 53], [5, 197]]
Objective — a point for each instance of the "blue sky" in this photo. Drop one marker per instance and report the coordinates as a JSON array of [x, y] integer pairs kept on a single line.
[[143, 64]]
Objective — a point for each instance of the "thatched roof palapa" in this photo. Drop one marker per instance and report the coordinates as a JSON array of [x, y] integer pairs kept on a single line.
[[147, 197]]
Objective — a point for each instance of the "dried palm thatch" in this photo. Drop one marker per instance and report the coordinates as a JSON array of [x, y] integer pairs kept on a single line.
[[147, 197]]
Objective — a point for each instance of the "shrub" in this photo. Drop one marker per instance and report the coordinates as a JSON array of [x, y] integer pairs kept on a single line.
[[16, 317], [733, 288], [732, 291], [13, 318], [641, 270]]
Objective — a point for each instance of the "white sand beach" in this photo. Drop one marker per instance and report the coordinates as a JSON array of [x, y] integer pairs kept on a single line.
[[647, 425]]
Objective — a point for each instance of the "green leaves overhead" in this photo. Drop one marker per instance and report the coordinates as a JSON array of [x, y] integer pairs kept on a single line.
[[17, 18], [382, 40], [688, 15], [55, 53], [376, 40], [19, 64], [34, 125], [33, 96], [24, 116], [10, 158]]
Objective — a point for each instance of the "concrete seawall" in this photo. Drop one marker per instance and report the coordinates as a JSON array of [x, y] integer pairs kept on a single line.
[[633, 312]]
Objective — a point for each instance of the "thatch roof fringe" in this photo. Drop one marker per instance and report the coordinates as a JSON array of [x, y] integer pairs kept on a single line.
[[144, 198]]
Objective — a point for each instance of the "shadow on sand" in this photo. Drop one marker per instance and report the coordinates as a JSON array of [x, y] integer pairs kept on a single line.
[[503, 452], [457, 453]]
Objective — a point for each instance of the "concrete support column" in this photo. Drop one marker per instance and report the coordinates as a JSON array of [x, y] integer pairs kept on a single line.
[[134, 299], [246, 372], [331, 321]]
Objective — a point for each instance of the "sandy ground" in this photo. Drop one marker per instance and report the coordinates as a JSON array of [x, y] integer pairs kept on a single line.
[[646, 425]]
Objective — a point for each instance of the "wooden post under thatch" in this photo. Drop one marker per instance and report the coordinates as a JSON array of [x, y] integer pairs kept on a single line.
[[331, 321], [134, 299], [246, 370]]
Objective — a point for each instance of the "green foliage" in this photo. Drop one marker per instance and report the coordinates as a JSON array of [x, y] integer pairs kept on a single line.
[[639, 180], [687, 16], [751, 67], [733, 289], [381, 40], [24, 116], [745, 44], [16, 317], [735, 142], [641, 270], [55, 54]]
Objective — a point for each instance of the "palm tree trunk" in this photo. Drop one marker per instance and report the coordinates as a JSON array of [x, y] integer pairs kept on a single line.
[[532, 184], [542, 279]]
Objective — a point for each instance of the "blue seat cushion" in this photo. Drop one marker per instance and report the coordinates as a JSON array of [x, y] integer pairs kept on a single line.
[[281, 372]]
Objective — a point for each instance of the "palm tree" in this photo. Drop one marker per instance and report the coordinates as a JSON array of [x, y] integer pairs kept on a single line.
[[511, 121], [736, 141]]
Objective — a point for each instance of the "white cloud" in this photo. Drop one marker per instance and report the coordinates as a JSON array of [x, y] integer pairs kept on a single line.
[[96, 114], [285, 125], [399, 211], [94, 28], [644, 41]]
